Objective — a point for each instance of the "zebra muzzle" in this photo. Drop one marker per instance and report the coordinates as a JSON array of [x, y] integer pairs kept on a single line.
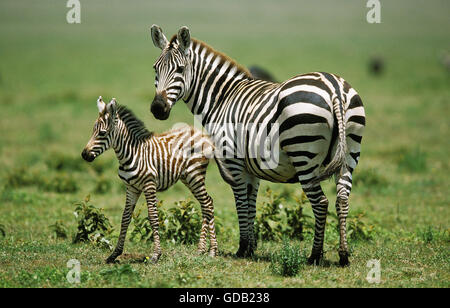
[[160, 108], [87, 156]]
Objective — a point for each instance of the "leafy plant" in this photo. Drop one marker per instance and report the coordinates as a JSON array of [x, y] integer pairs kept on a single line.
[[288, 261], [282, 216], [298, 222], [59, 229], [357, 228], [93, 225], [269, 223], [142, 230], [183, 222]]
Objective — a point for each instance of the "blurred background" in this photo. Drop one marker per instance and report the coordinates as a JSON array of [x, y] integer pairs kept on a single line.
[[51, 73]]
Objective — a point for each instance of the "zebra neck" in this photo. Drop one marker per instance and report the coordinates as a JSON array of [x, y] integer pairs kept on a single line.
[[215, 76], [126, 143]]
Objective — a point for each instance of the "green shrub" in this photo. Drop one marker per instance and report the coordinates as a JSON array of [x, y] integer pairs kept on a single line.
[[357, 228], [142, 230], [282, 217], [288, 261], [297, 221], [183, 223], [269, 224], [59, 229], [93, 225]]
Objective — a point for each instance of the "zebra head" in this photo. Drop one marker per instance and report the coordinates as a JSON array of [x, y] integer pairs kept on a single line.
[[173, 70], [101, 138]]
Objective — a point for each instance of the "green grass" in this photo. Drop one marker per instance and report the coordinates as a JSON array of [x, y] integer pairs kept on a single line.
[[51, 74]]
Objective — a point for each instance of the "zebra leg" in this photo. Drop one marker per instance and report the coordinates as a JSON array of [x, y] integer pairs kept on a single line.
[[198, 189], [131, 199], [343, 188], [252, 194], [150, 196], [240, 197], [246, 190], [319, 203]]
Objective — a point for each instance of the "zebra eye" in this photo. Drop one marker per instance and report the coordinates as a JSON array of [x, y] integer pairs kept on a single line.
[[102, 133], [180, 69]]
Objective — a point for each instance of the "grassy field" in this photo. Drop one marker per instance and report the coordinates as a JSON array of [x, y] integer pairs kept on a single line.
[[51, 73]]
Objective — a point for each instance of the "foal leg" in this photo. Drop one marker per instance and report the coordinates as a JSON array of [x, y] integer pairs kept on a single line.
[[131, 199], [197, 187], [150, 196]]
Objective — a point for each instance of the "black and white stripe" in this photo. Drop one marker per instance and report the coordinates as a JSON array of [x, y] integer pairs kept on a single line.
[[314, 123]]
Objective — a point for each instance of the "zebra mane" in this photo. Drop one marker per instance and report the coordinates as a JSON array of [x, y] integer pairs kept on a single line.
[[210, 49], [134, 126]]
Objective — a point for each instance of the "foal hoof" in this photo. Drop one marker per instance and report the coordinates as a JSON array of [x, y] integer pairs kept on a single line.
[[213, 253]]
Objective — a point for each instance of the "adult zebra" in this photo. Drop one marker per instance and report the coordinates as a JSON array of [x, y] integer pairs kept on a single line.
[[314, 123]]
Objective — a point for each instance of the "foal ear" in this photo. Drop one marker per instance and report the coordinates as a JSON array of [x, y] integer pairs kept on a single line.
[[158, 37], [184, 39], [100, 104], [111, 107]]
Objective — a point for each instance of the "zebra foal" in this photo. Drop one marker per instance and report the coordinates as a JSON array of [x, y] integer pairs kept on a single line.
[[149, 163]]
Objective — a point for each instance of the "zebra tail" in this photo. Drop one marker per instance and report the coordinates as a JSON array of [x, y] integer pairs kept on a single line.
[[224, 172], [339, 162]]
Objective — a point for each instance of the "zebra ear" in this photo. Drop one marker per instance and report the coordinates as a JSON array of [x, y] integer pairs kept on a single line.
[[184, 39], [158, 37], [100, 104], [111, 107]]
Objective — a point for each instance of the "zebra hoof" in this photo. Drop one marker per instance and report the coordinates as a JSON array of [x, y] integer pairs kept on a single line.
[[246, 252], [315, 259], [343, 259]]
